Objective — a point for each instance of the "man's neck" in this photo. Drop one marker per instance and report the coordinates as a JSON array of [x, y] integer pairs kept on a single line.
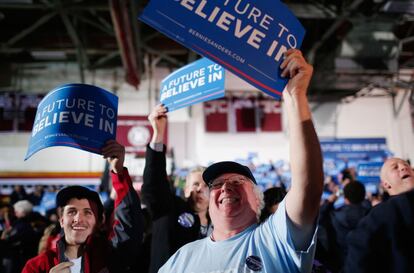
[[72, 251], [222, 233]]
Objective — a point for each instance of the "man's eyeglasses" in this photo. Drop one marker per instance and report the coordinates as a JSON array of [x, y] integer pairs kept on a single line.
[[232, 180]]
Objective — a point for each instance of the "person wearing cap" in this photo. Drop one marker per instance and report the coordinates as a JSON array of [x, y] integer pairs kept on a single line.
[[82, 247], [176, 222], [285, 242]]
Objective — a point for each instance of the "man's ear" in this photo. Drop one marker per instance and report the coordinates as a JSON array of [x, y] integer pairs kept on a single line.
[[386, 185], [61, 221]]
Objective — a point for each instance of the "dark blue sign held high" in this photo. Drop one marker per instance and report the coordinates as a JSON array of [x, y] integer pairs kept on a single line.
[[75, 115], [246, 37]]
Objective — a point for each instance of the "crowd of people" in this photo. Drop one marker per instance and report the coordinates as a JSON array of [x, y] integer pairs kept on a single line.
[[224, 222]]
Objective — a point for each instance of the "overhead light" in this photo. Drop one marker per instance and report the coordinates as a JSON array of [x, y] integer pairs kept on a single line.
[[16, 1], [399, 7], [49, 55]]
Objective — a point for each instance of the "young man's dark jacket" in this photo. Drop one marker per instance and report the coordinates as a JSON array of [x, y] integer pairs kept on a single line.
[[174, 222], [115, 252]]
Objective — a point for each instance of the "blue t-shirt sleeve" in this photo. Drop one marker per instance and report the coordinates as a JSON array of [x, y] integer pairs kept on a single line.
[[287, 237], [294, 237]]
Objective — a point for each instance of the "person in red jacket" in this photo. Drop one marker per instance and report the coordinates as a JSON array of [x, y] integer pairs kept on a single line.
[[83, 248]]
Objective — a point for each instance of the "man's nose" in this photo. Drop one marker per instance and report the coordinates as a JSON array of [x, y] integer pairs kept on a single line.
[[78, 217], [227, 186]]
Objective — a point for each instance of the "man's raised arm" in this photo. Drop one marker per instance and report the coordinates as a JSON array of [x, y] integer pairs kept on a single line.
[[302, 201]]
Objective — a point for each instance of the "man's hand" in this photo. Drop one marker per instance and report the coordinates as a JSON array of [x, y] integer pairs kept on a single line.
[[298, 70], [300, 73], [115, 154], [158, 120], [61, 268]]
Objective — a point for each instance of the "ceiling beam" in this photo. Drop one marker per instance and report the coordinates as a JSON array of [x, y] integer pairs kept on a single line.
[[162, 55], [44, 19], [81, 55], [311, 11], [105, 59], [105, 28], [347, 12], [79, 6]]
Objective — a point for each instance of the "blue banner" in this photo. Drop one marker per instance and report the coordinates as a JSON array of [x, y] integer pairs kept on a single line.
[[48, 201], [75, 115], [199, 81], [354, 148], [369, 172], [246, 37], [342, 153]]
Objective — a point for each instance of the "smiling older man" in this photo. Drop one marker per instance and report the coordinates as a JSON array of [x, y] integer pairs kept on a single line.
[[286, 241]]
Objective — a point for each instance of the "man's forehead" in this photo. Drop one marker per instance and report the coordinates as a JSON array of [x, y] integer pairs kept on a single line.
[[76, 203], [231, 175], [395, 160]]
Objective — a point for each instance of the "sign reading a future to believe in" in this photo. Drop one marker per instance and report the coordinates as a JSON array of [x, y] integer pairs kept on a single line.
[[247, 37], [75, 115], [202, 80]]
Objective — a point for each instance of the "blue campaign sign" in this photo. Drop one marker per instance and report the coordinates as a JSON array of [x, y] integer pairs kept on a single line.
[[342, 153], [48, 200], [246, 37], [369, 172], [354, 148], [202, 80], [75, 115]]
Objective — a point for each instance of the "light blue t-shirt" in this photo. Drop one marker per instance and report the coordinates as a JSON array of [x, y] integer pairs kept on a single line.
[[265, 248]]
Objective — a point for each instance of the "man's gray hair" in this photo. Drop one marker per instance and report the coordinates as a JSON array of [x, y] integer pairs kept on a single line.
[[260, 196], [23, 206]]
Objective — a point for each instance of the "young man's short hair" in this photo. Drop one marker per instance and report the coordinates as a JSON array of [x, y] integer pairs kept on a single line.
[[354, 192]]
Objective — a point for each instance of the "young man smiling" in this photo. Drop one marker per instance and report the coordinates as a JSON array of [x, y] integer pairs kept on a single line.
[[82, 247], [286, 241]]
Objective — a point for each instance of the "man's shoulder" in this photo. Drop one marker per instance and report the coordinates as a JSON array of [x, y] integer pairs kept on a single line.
[[404, 202], [41, 262]]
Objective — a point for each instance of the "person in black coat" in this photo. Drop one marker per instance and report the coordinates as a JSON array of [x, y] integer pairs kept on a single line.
[[337, 223], [384, 239], [176, 222]]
